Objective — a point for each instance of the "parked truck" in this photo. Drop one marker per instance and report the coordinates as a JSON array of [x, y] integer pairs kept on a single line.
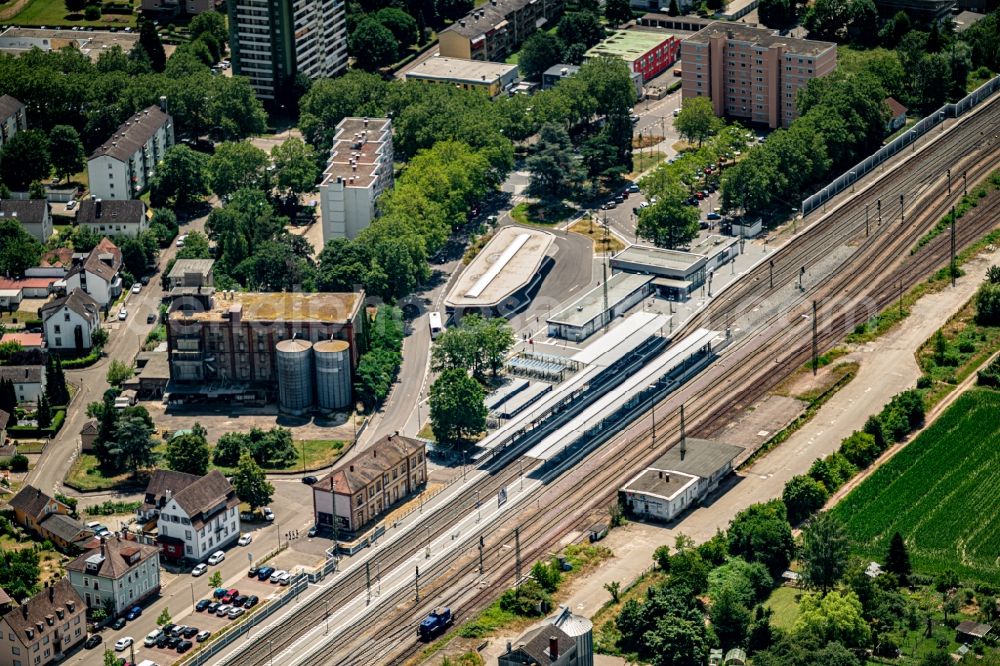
[[435, 623]]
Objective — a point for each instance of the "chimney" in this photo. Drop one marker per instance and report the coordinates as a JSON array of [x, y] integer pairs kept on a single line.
[[461, 22], [683, 435], [97, 209], [553, 647], [167, 494], [508, 647], [52, 593], [352, 468], [661, 473], [163, 103]]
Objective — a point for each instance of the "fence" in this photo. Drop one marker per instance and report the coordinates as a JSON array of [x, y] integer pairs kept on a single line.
[[895, 146]]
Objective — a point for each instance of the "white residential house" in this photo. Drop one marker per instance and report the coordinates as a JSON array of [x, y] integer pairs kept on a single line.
[[29, 381], [41, 630], [116, 575], [34, 215], [12, 119], [68, 322], [195, 515], [98, 274], [112, 218], [123, 167]]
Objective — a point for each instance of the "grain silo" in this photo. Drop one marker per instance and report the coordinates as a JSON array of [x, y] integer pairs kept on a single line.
[[333, 374], [294, 360], [581, 630]]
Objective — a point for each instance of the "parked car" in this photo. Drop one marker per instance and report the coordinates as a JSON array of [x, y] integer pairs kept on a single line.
[[161, 642], [144, 280], [285, 579], [252, 571], [713, 216], [276, 576], [265, 573], [118, 624], [312, 532], [223, 609], [251, 601], [216, 557], [151, 318], [123, 643], [268, 514], [199, 569], [235, 612], [122, 314], [71, 205], [203, 636], [245, 539], [309, 480], [173, 641], [202, 605], [644, 204], [180, 240], [92, 641], [219, 592], [633, 188], [189, 632], [184, 646], [137, 287], [609, 205], [240, 600], [167, 628], [212, 607], [133, 613], [178, 630], [151, 637], [230, 595]]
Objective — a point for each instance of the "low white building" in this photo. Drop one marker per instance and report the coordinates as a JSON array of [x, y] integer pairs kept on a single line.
[[34, 215], [29, 381], [116, 575], [358, 171], [113, 218], [69, 322], [12, 118], [195, 515], [123, 167], [98, 274]]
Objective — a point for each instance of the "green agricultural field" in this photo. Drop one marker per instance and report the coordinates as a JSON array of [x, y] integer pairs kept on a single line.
[[941, 493]]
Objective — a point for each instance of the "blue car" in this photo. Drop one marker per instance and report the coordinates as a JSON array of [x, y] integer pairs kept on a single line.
[[713, 216], [135, 612], [264, 573], [219, 592]]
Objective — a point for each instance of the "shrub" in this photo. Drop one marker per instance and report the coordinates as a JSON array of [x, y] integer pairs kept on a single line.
[[92, 12], [530, 600], [19, 463], [860, 449]]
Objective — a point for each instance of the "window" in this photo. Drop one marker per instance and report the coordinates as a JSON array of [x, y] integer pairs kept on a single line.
[[187, 535], [65, 316], [15, 649], [58, 328], [189, 550]]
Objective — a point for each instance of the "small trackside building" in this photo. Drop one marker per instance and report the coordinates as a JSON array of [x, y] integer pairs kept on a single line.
[[585, 316], [645, 52]]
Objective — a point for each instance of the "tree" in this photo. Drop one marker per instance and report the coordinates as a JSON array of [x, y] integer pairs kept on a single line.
[[75, 6], [43, 413], [582, 28], [188, 452], [673, 9], [25, 158], [555, 172], [356, 93], [730, 618], [215, 581], [8, 400], [617, 11], [295, 165], [777, 13], [825, 550], [163, 618], [495, 338], [372, 45], [668, 223], [897, 560], [614, 588], [457, 409], [860, 449], [402, 26], [149, 41], [19, 250], [803, 496], [181, 176], [236, 165], [696, 120], [196, 246], [833, 617], [118, 372], [99, 337], [678, 641], [987, 302], [134, 444], [108, 416], [540, 51], [761, 533], [55, 382], [66, 150], [547, 574], [250, 483]]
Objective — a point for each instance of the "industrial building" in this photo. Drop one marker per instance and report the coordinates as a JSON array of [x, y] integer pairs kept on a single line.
[[752, 73], [580, 630], [493, 78], [645, 52], [272, 42], [124, 165], [358, 171], [599, 306], [497, 28], [504, 275], [547, 645], [253, 346], [687, 473]]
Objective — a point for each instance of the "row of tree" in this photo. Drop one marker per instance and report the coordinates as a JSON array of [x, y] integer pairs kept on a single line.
[[378, 366]]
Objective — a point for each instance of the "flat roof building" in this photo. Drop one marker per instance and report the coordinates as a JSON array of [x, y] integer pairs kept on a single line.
[[504, 273], [752, 73], [493, 77], [557, 73], [191, 273], [497, 28], [645, 52], [678, 273], [359, 169], [91, 43], [588, 314]]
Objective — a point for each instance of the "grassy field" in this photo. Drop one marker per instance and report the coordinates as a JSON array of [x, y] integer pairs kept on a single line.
[[644, 161], [784, 601], [51, 13], [940, 493], [602, 243]]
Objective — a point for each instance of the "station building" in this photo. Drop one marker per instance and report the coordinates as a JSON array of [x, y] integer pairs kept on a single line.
[[584, 317], [678, 274]]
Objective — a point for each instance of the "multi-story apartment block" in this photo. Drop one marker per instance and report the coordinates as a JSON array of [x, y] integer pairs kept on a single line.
[[113, 218], [123, 167], [360, 490], [359, 170], [752, 73], [497, 28], [173, 7], [234, 340], [12, 118], [116, 575], [42, 629], [273, 41], [644, 52], [195, 515]]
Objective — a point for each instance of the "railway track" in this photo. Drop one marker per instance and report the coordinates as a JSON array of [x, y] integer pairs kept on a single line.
[[880, 261]]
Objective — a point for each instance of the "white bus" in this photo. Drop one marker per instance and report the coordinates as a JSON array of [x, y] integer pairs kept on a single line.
[[437, 327]]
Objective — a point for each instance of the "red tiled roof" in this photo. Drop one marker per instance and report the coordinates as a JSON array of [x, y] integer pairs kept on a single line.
[[895, 107], [26, 339], [30, 283]]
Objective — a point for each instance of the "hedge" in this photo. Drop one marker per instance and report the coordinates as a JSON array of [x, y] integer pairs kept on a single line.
[[32, 431], [82, 362]]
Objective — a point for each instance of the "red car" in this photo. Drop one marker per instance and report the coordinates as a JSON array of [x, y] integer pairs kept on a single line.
[[699, 196], [230, 595]]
